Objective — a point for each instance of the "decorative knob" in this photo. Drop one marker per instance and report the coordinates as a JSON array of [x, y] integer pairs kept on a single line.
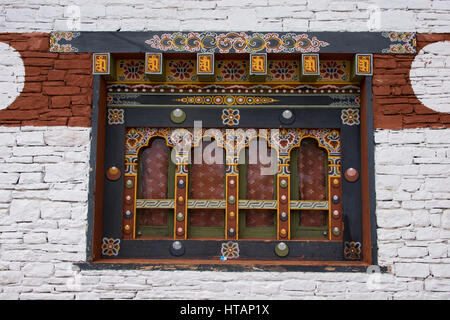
[[231, 183], [281, 249], [231, 232], [180, 200], [231, 214], [177, 248], [180, 216], [287, 117], [113, 173], [287, 114], [283, 183], [181, 184], [180, 231], [128, 214], [336, 214], [127, 228], [177, 245], [351, 175], [283, 198], [283, 232], [335, 199], [231, 199], [283, 216], [129, 184], [335, 182], [128, 199], [177, 116], [113, 170], [336, 231]]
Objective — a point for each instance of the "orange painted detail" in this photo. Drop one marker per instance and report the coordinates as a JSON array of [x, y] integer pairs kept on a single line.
[[205, 64], [310, 64], [153, 63], [101, 62], [258, 63], [113, 173], [232, 208], [180, 206], [335, 220], [364, 64], [283, 225], [129, 220]]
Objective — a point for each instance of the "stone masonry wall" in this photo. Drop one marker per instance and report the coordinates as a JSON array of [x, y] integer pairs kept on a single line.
[[44, 158], [232, 15], [58, 86], [43, 206], [395, 103]]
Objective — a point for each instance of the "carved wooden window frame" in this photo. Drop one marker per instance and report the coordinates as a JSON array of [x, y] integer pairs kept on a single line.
[[356, 252], [113, 250]]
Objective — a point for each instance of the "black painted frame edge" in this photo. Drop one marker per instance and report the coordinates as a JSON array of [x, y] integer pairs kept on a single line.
[[227, 267], [90, 265], [371, 169], [340, 34], [92, 168]]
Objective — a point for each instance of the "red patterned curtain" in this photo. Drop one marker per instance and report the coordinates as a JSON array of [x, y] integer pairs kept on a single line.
[[207, 181], [259, 187], [312, 173], [153, 183]]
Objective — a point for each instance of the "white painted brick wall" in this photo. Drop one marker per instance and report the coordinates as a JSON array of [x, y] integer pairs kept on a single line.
[[262, 15], [429, 76], [43, 227]]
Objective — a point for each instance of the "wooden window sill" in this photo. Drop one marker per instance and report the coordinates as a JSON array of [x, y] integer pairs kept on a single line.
[[229, 265]]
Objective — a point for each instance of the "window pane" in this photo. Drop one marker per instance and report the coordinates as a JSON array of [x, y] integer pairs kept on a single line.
[[207, 181], [312, 170], [312, 173], [153, 182], [260, 185], [313, 218]]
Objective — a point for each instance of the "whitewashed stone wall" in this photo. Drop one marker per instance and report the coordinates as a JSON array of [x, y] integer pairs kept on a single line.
[[43, 212], [44, 171], [239, 15], [429, 75], [413, 205]]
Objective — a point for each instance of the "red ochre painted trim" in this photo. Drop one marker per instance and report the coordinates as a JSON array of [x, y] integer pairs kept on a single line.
[[394, 103], [58, 87]]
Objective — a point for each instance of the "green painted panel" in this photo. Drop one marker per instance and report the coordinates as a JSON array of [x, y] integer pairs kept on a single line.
[[299, 232]]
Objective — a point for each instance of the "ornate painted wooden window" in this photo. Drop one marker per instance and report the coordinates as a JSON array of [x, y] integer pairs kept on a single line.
[[233, 149]]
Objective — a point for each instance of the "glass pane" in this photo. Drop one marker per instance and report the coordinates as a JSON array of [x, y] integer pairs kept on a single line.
[[313, 218], [309, 224], [207, 181], [312, 173], [260, 184], [153, 181], [250, 227], [206, 223]]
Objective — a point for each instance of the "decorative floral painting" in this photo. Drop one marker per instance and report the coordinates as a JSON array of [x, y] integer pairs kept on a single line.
[[334, 71], [181, 71], [131, 71], [283, 70], [231, 70], [278, 71]]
